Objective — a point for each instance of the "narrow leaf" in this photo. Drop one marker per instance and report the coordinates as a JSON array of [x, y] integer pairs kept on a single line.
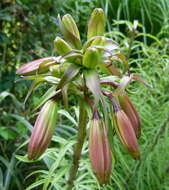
[[138, 78], [68, 75], [49, 94], [120, 57], [34, 85], [93, 83], [122, 86]]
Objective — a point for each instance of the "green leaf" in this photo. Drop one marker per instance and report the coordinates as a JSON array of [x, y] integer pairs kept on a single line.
[[52, 79], [1, 179], [35, 84], [65, 96], [34, 77], [138, 78], [150, 36], [73, 56], [109, 68], [25, 159], [9, 172], [120, 57], [56, 164], [69, 117], [7, 133], [68, 75], [21, 129], [49, 94], [22, 120], [4, 94], [93, 83], [125, 81], [36, 184]]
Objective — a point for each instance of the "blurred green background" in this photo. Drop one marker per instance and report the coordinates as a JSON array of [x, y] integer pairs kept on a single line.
[[28, 29]]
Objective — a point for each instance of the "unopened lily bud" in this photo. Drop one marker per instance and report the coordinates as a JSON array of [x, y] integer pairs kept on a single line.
[[58, 70], [37, 66], [99, 150], [91, 58], [61, 46], [126, 133], [99, 41], [70, 30], [43, 130], [70, 24], [96, 23], [130, 111]]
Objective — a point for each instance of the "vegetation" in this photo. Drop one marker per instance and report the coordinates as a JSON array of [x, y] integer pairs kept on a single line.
[[27, 31]]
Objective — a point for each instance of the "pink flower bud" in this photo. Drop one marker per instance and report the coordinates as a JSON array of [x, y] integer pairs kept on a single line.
[[99, 150], [39, 65], [130, 111], [43, 130], [125, 131]]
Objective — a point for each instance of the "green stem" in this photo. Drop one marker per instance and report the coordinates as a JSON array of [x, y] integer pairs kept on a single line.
[[131, 40], [79, 145]]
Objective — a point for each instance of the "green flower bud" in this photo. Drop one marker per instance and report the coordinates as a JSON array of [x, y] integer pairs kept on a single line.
[[37, 66], [91, 58], [43, 130], [96, 23], [61, 46], [99, 41], [70, 30], [70, 25], [130, 111], [99, 150]]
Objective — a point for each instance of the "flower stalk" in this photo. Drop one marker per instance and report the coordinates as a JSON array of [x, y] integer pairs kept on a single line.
[[78, 146]]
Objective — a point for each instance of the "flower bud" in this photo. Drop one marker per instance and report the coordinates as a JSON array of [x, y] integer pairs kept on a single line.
[[91, 58], [96, 23], [130, 111], [37, 66], [99, 41], [43, 130], [70, 25], [70, 30], [126, 134], [61, 46], [99, 150]]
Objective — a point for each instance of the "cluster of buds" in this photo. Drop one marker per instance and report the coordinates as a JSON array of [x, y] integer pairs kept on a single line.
[[85, 71]]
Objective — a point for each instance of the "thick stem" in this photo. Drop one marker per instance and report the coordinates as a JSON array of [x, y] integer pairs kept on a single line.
[[79, 145]]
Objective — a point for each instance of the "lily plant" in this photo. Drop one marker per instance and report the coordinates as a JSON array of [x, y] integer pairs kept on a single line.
[[97, 74]]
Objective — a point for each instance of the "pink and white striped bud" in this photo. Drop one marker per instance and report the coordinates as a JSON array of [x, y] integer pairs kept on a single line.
[[129, 109], [125, 132], [43, 130], [99, 150]]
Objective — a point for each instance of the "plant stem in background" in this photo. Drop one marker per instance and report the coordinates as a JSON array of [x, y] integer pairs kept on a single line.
[[79, 145], [131, 40]]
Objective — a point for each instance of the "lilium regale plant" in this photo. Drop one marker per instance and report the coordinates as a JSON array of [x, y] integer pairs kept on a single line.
[[90, 72]]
